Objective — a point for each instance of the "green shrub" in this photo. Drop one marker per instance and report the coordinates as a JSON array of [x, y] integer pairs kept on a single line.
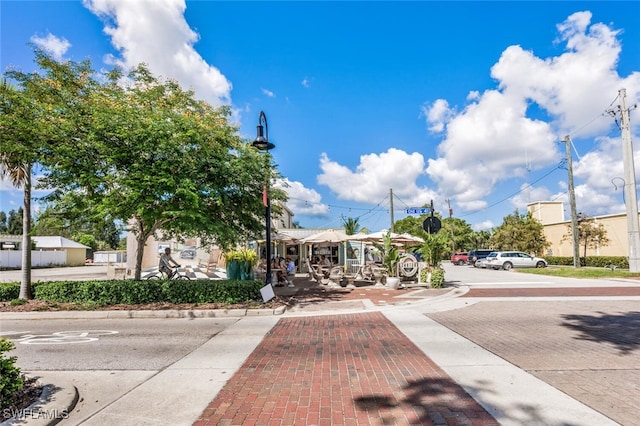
[[130, 292], [202, 291], [11, 380], [9, 291], [621, 262], [437, 277]]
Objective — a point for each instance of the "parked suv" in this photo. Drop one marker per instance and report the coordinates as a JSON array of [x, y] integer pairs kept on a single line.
[[459, 258], [514, 259], [475, 255]]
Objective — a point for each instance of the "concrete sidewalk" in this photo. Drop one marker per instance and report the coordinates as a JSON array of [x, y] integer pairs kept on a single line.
[[391, 365], [365, 356]]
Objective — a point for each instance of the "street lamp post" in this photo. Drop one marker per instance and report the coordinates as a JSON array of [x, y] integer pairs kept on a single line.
[[262, 143]]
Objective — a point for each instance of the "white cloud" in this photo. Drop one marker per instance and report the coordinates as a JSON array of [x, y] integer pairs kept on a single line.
[[52, 44], [303, 201], [602, 172], [529, 194], [375, 176], [268, 93], [437, 114], [156, 33], [482, 226], [500, 134], [306, 83], [490, 141]]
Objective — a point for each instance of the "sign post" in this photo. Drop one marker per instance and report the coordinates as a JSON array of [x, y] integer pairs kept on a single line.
[[431, 224]]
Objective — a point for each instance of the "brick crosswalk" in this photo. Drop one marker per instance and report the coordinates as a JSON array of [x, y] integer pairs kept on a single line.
[[349, 369]]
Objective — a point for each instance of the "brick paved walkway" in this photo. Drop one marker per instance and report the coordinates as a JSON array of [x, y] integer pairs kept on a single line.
[[349, 369], [588, 349]]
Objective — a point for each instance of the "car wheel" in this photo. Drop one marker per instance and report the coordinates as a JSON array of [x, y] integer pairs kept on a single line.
[[540, 264], [460, 262], [507, 266]]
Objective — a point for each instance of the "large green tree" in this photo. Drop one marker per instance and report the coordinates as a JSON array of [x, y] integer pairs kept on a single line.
[[481, 239], [147, 153], [15, 224], [520, 232], [461, 237], [60, 218], [410, 224], [3, 223]]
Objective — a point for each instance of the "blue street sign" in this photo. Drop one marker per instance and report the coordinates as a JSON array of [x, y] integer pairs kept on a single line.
[[418, 210]]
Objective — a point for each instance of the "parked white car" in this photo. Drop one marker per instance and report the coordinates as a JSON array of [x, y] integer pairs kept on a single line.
[[514, 259], [481, 263]]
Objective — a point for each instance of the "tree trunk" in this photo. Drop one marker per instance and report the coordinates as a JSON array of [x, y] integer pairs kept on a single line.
[[140, 238], [25, 284]]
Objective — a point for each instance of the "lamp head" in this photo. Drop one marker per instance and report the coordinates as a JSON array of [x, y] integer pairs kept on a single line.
[[262, 142]]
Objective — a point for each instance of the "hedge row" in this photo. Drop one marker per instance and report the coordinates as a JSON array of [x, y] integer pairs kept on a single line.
[[130, 292], [593, 261]]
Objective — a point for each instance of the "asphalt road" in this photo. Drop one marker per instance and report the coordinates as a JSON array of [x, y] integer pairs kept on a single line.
[[71, 273], [105, 359], [111, 344]]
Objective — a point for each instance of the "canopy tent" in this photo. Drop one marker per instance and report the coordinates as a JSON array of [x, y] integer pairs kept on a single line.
[[328, 237], [281, 237], [378, 237]]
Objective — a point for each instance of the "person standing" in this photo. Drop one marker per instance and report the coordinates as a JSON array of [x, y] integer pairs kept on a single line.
[[291, 272]]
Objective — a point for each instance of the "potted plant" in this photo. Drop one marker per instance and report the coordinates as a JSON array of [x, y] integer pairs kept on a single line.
[[233, 259], [248, 261], [390, 256], [240, 263]]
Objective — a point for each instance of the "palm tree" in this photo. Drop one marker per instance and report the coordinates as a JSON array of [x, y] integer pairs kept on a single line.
[[351, 226], [20, 176], [19, 173]]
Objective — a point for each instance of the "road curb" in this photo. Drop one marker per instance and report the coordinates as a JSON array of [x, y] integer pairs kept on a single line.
[[171, 313], [54, 405]]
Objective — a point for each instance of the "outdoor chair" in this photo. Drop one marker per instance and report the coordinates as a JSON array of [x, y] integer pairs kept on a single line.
[[212, 263], [336, 275]]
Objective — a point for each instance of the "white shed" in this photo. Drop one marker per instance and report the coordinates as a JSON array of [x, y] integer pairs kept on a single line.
[[76, 252]]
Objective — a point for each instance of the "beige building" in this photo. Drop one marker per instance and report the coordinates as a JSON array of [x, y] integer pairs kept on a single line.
[[154, 247], [556, 230]]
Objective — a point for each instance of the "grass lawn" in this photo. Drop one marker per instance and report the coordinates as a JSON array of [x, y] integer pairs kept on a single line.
[[570, 271]]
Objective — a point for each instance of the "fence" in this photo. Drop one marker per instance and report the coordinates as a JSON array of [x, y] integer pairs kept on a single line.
[[353, 266], [39, 258]]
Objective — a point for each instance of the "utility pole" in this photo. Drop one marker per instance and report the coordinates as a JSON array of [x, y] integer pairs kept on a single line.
[[630, 195], [453, 242], [391, 207], [575, 230]]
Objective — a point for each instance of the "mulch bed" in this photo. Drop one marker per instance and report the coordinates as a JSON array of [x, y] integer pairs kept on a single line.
[[22, 399]]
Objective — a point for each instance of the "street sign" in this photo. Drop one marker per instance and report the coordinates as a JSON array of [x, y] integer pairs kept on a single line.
[[418, 210], [432, 225]]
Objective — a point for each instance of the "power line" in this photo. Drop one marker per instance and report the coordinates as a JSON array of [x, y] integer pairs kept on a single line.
[[527, 186]]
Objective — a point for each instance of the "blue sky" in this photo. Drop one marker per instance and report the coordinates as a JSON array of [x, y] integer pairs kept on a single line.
[[462, 103]]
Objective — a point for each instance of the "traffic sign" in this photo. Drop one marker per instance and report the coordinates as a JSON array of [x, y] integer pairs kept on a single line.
[[432, 225], [418, 210]]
